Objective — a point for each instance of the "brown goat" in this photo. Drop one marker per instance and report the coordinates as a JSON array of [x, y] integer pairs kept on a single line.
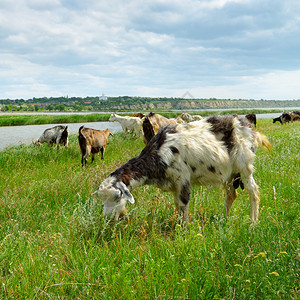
[[92, 141], [251, 118], [152, 123], [295, 116], [286, 118], [139, 115]]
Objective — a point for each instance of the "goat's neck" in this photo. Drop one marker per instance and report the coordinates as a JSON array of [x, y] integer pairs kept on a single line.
[[132, 173]]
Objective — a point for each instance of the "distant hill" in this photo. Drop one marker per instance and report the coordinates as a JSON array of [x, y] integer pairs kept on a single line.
[[125, 103]]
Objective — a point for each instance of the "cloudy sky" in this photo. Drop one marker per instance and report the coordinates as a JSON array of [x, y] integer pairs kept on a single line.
[[158, 48]]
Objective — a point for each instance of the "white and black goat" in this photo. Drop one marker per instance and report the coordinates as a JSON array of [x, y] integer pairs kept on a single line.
[[56, 135], [213, 151]]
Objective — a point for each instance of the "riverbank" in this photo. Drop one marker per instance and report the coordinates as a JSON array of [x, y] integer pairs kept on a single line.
[[17, 120], [8, 119]]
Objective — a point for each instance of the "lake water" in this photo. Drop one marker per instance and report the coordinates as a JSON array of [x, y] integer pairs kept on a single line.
[[17, 135]]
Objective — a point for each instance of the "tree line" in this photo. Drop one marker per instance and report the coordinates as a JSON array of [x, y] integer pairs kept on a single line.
[[135, 103]]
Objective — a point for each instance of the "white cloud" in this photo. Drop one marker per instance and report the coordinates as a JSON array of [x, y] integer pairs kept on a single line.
[[219, 48]]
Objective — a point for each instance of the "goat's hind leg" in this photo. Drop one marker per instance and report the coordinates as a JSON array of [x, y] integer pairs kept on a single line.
[[102, 150]]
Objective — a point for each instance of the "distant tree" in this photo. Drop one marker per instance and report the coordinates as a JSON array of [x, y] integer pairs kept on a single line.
[[60, 107], [36, 107], [6, 107], [50, 107], [77, 107]]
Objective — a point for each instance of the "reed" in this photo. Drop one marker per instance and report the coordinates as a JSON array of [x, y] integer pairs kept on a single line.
[[17, 120], [56, 244]]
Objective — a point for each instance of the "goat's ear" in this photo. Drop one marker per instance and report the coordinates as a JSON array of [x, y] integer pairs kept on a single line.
[[125, 192]]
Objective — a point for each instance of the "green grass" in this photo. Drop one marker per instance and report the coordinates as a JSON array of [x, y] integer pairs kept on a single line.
[[22, 119], [55, 244]]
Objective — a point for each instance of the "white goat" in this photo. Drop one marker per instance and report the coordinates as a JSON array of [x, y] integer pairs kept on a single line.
[[128, 123], [214, 151]]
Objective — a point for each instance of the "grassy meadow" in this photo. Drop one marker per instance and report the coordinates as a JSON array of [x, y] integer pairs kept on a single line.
[[55, 243]]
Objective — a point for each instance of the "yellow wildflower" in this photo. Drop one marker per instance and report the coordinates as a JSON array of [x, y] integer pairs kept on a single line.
[[283, 253], [262, 254]]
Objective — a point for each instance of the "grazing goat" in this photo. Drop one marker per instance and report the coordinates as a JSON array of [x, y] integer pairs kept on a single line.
[[297, 112], [295, 115], [278, 119], [286, 118], [128, 123], [251, 118], [139, 115], [187, 118], [57, 134], [296, 118], [213, 151], [92, 141], [152, 123]]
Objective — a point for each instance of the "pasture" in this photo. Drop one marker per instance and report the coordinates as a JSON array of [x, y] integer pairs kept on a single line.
[[55, 243]]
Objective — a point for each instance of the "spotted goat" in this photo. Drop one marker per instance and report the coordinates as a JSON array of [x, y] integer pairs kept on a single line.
[[212, 151], [55, 135]]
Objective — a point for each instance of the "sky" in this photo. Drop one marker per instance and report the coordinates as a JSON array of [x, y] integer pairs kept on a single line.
[[228, 49]]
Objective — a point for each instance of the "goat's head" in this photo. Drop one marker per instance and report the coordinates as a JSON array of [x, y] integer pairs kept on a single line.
[[112, 117], [37, 142], [114, 195], [108, 131]]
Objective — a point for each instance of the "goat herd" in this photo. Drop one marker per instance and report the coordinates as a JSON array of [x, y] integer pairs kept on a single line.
[[179, 153], [287, 117]]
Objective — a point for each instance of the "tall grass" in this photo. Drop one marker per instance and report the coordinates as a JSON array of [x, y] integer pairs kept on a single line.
[[21, 119], [56, 244]]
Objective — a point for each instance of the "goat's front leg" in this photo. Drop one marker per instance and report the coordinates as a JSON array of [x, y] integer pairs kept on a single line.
[[231, 195], [57, 142], [182, 198]]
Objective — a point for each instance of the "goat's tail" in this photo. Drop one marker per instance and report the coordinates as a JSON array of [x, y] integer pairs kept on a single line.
[[260, 140], [148, 130], [82, 141]]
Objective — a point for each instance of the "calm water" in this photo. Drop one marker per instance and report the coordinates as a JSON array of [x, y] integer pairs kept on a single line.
[[17, 135]]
